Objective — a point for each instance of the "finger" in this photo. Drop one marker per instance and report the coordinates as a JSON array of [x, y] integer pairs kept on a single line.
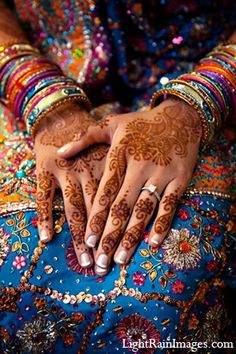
[[76, 215], [166, 211], [108, 188], [94, 135], [90, 169], [117, 220], [45, 193], [140, 217]]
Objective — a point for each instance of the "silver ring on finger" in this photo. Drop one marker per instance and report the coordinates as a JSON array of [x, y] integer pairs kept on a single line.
[[152, 189]]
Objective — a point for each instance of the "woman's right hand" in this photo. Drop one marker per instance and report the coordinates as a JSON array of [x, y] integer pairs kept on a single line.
[[77, 178]]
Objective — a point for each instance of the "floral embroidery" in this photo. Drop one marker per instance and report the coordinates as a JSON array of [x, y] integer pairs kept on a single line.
[[181, 249], [133, 328], [73, 263], [138, 278], [4, 245], [178, 287], [212, 324], [212, 266], [37, 336], [193, 322], [19, 229], [19, 262], [183, 214]]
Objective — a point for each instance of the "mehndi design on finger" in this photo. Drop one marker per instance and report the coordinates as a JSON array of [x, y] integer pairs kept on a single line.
[[91, 188], [163, 222], [45, 189], [117, 163], [119, 213], [143, 209], [77, 220]]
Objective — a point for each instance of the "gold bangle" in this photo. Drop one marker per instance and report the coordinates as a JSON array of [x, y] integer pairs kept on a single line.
[[6, 45]]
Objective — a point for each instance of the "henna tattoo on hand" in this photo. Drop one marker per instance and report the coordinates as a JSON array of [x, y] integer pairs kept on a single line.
[[63, 127], [119, 213], [45, 185], [91, 188], [143, 209], [85, 161], [172, 129], [98, 221], [133, 235], [163, 222], [111, 188], [77, 220]]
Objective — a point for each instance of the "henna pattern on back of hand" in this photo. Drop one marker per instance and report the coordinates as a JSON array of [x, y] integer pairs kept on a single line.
[[64, 127], [172, 129]]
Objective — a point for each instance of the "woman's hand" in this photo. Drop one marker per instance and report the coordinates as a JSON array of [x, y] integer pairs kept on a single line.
[[77, 178], [157, 147]]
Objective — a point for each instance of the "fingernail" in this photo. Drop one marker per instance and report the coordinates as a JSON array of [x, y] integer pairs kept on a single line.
[[100, 271], [85, 259], [64, 148], [121, 257], [91, 241], [44, 235], [102, 260], [155, 239]]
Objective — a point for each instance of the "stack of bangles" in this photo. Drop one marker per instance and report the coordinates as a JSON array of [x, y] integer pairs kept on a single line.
[[32, 86], [210, 89]]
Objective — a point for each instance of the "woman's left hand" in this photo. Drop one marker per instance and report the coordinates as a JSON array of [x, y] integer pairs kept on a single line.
[[156, 148]]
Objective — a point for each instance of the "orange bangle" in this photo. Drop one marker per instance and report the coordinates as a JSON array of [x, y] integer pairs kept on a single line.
[[217, 68]]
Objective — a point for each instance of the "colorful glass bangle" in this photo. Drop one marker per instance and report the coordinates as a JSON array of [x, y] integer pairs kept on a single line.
[[217, 68], [40, 87], [6, 45], [9, 69], [206, 95], [220, 89], [215, 91], [18, 92], [36, 98], [23, 97], [230, 94], [187, 88]]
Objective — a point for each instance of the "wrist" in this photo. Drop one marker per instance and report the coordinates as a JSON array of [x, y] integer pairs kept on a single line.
[[63, 117]]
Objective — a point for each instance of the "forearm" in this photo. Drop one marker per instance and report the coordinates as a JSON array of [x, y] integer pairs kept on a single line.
[[10, 29]]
